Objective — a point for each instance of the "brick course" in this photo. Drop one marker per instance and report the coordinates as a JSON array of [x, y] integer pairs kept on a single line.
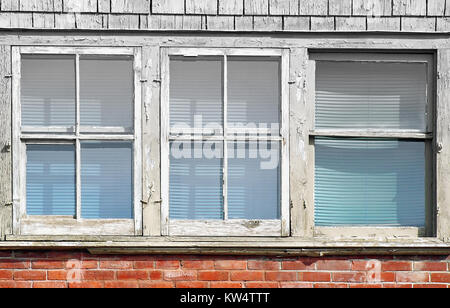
[[76, 269]]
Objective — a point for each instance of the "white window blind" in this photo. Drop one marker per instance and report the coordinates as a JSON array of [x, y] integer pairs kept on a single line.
[[371, 95], [48, 91]]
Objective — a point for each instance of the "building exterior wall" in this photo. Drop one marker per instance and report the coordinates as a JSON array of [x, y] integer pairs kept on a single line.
[[74, 269], [299, 25]]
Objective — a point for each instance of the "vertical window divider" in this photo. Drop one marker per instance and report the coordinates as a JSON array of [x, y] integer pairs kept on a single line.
[[77, 139], [225, 135]]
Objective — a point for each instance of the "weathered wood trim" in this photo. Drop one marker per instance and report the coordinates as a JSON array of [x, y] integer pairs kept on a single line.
[[5, 142], [371, 134], [334, 233], [443, 145]]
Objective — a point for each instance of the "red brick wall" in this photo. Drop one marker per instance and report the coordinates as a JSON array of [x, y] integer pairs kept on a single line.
[[80, 269]]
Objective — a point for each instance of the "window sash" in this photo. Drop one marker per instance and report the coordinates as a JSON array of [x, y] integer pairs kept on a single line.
[[427, 137], [24, 224], [225, 227]]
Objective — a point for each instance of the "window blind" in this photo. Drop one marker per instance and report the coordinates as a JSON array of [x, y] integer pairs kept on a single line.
[[106, 180], [367, 182], [195, 189], [48, 91], [106, 92], [50, 180], [368, 95], [196, 89], [254, 90]]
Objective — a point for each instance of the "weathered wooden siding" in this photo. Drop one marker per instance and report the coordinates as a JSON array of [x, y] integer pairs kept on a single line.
[[229, 15]]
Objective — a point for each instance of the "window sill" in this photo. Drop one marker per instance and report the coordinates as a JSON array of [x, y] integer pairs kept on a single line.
[[230, 246]]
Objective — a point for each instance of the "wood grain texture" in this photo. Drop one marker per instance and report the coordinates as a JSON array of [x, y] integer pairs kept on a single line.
[[5, 142], [130, 6], [372, 7], [10, 5], [231, 7], [340, 7], [76, 6], [443, 145], [256, 7], [284, 7], [208, 7], [314, 7], [410, 7], [168, 6], [436, 8]]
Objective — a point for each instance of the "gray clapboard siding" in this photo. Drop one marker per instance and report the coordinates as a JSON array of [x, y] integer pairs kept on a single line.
[[340, 7], [220, 22], [372, 7], [36, 5], [314, 7], [284, 7], [383, 24], [231, 7], [418, 24], [80, 6], [104, 6], [5, 142], [9, 5], [301, 23], [130, 6], [124, 22], [350, 23], [201, 7], [436, 8], [256, 7], [322, 23], [410, 7], [43, 20], [168, 6]]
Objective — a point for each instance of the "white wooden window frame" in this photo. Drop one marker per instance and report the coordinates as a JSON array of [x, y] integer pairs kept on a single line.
[[225, 227], [428, 137], [24, 224]]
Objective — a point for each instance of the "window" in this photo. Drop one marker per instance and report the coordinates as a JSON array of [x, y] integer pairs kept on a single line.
[[225, 121], [373, 144], [77, 141]]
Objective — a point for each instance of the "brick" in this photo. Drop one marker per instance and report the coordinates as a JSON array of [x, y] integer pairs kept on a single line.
[[30, 275], [365, 286], [49, 285], [48, 264], [393, 266], [331, 286], [256, 7], [340, 7], [15, 284], [349, 277], [198, 264], [314, 7], [247, 276], [98, 275], [262, 285], [380, 277], [212, 275], [372, 7], [6, 274], [314, 276], [296, 285], [191, 284], [225, 285], [168, 6], [284, 7], [263, 265], [156, 284], [281, 276], [180, 275], [201, 7], [430, 266], [89, 264], [59, 275], [397, 285], [429, 286], [116, 264], [169, 264], [5, 254], [16, 264], [132, 275], [230, 265], [231, 7], [333, 265], [409, 7], [121, 284], [144, 265], [86, 285], [304, 264], [440, 277]]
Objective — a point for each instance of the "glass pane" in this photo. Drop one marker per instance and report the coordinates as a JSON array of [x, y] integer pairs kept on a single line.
[[253, 91], [363, 95], [369, 182], [254, 181], [51, 180], [48, 91], [196, 93], [107, 95], [196, 177], [107, 180]]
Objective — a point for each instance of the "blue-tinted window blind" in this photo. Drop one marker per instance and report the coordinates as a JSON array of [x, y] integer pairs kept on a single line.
[[51, 180], [254, 182], [106, 180], [369, 182], [48, 91], [195, 190], [368, 95]]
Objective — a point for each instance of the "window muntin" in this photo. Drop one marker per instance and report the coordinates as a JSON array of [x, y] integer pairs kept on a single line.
[[101, 184], [231, 99], [385, 115]]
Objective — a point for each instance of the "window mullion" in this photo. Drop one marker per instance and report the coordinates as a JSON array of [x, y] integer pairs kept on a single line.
[[225, 133], [77, 141]]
